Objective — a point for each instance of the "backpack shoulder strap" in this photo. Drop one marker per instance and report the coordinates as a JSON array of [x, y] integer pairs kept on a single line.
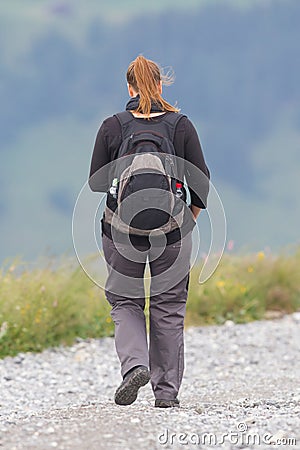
[[172, 120], [124, 118]]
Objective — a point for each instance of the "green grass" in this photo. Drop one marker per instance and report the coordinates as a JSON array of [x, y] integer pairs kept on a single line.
[[246, 288], [48, 307], [45, 308]]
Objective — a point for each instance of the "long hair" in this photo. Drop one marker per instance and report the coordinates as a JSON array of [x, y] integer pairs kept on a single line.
[[144, 76]]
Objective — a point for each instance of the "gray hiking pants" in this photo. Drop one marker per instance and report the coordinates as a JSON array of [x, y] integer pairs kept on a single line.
[[169, 268]]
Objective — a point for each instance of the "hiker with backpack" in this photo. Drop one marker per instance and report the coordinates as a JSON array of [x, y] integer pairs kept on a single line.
[[150, 150]]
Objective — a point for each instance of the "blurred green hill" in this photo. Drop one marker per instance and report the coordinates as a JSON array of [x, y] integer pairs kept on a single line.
[[62, 70]]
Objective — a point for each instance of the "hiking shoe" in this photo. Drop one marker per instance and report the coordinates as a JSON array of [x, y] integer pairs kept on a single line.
[[167, 403], [128, 389]]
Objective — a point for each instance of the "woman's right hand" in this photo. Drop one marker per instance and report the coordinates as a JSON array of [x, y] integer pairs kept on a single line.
[[195, 211]]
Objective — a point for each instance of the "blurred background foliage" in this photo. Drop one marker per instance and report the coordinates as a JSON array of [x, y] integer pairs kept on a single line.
[[56, 304], [62, 71]]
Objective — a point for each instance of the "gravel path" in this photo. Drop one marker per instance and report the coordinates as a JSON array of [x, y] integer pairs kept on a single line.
[[240, 390]]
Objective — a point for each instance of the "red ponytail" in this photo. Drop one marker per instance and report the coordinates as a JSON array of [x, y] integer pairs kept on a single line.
[[144, 76]]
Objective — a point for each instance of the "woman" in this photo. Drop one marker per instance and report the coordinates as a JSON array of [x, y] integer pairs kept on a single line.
[[163, 363]]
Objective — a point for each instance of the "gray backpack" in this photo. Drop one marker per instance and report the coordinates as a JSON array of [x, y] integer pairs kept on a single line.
[[146, 195]]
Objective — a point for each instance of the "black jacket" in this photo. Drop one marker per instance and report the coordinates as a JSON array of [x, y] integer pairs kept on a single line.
[[186, 144]]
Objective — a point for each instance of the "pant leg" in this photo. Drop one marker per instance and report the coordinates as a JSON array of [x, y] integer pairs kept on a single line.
[[169, 289], [124, 291]]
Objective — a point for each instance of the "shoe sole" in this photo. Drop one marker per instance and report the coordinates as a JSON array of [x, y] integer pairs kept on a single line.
[[128, 391], [166, 404]]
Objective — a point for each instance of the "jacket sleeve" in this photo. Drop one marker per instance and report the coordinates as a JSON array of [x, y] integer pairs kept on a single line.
[[196, 171], [98, 178]]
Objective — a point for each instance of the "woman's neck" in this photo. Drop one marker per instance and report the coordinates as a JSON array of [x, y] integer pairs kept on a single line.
[[153, 114]]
